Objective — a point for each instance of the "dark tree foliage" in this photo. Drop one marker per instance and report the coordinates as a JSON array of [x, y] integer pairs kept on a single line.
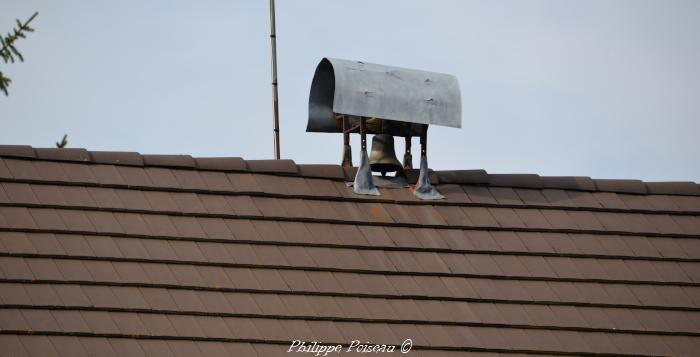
[[9, 52], [61, 144]]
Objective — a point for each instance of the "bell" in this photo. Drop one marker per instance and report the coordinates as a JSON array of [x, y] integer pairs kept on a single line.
[[382, 157]]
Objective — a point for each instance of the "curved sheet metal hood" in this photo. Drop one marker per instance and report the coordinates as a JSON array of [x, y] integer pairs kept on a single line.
[[360, 89]]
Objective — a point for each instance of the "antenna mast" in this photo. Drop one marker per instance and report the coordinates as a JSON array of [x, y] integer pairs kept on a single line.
[[275, 96]]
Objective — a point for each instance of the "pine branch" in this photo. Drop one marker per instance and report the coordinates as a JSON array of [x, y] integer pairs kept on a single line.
[[4, 83], [9, 52], [63, 143]]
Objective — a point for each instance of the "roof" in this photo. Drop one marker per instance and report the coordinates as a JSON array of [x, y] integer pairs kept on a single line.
[[117, 253]]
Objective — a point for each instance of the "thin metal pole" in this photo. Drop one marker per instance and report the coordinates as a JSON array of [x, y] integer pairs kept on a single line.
[[363, 133], [347, 152], [275, 96]]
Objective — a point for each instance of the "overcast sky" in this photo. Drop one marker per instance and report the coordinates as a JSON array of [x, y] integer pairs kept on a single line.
[[608, 89]]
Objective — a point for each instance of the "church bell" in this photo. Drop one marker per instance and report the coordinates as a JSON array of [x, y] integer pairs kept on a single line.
[[383, 156]]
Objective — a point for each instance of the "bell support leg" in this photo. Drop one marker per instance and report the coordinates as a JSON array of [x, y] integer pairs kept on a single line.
[[423, 189], [363, 179], [347, 150]]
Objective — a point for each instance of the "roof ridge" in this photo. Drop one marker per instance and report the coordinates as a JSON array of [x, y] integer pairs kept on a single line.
[[332, 171]]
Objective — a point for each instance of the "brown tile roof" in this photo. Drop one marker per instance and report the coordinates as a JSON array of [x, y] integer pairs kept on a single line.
[[108, 253]]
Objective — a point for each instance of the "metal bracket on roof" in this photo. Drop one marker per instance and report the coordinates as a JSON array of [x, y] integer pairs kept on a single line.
[[423, 189], [364, 185]]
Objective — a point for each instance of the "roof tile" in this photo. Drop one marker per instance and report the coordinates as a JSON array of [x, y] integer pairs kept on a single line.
[[21, 243], [155, 347], [297, 280], [463, 177], [506, 217], [73, 270], [531, 197], [321, 171], [479, 194], [349, 234], [272, 166], [4, 171], [19, 193], [583, 199], [188, 203], [12, 345], [412, 176], [51, 171], [40, 346], [23, 169], [628, 186], [299, 186], [66, 154], [131, 248], [188, 227], [673, 188], [254, 206], [47, 218], [107, 175], [687, 203], [169, 160], [217, 181], [68, 345], [401, 213], [376, 236], [126, 347], [17, 151], [505, 195], [568, 183], [162, 177], [215, 228], [268, 230], [160, 201], [189, 179], [116, 158], [244, 182], [214, 204], [44, 269], [585, 220], [78, 172], [480, 217], [430, 238], [134, 176], [221, 163], [609, 200], [161, 225], [350, 172], [453, 193], [77, 196], [132, 223], [327, 188], [272, 184], [516, 180], [242, 229]]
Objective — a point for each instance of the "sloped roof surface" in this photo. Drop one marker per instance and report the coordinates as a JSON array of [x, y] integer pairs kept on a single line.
[[125, 254]]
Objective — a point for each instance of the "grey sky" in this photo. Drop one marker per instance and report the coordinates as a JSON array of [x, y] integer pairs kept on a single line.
[[608, 89]]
